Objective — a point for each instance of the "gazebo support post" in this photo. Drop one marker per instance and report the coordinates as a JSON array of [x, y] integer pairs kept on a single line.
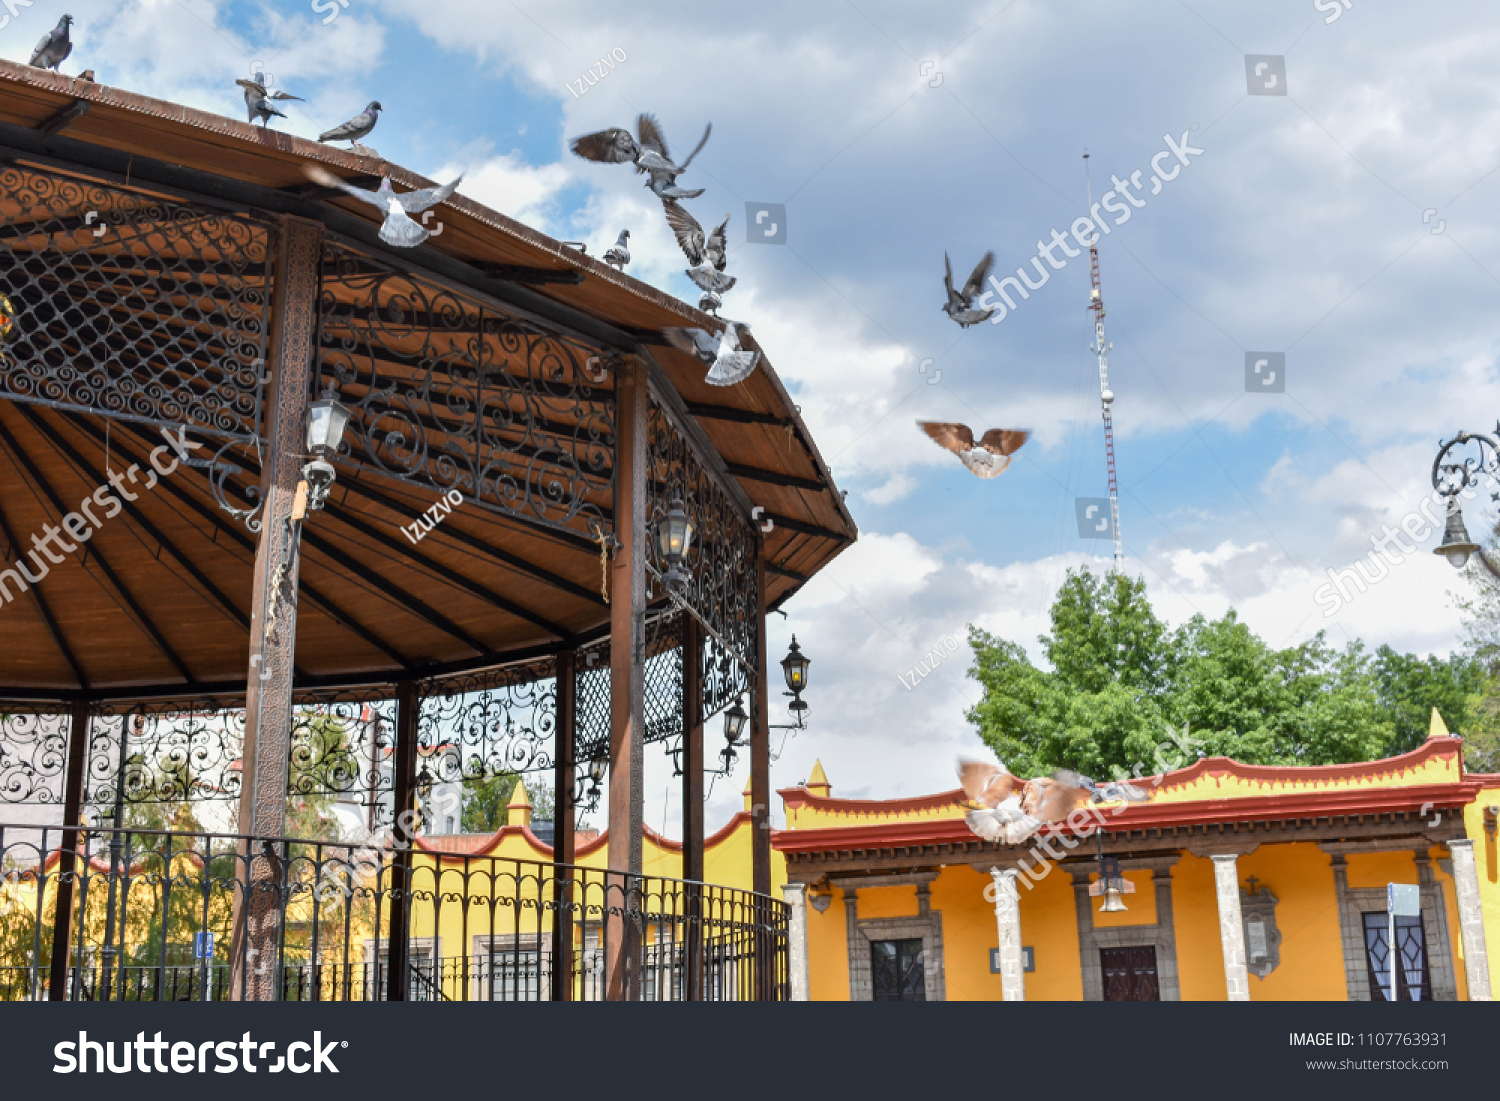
[[692, 806], [62, 922], [404, 810], [760, 780], [564, 815], [627, 671], [273, 612]]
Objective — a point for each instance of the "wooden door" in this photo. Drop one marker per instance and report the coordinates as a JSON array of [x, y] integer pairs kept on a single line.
[[1130, 974]]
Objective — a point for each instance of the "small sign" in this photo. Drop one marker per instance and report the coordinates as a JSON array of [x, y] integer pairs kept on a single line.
[[1403, 900], [1028, 960], [203, 946], [1257, 931]]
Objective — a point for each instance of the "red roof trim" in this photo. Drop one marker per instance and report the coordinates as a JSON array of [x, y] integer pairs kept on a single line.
[[1147, 816], [488, 846]]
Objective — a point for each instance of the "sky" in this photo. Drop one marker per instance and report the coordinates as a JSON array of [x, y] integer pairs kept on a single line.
[[1346, 224]]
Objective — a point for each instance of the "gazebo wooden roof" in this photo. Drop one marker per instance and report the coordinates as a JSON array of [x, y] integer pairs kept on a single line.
[[160, 597]]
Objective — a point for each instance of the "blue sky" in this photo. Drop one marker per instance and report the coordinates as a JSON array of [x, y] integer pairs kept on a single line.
[[1299, 229]]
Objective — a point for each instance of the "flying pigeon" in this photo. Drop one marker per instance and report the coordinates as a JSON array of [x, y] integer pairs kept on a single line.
[[619, 255], [960, 304], [708, 255], [398, 228], [356, 128], [990, 457], [729, 363], [649, 154], [1011, 811], [258, 99], [54, 47], [709, 303]]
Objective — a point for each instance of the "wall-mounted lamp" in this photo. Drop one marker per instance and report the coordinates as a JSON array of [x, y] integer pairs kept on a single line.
[[674, 538], [327, 418]]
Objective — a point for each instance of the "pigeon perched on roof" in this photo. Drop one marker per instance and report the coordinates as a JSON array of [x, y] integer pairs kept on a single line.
[[618, 255], [960, 304], [54, 47], [258, 99], [708, 254], [649, 154], [729, 363], [356, 128], [709, 303], [398, 228], [990, 457]]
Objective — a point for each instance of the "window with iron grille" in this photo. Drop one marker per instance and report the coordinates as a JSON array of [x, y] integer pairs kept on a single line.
[[1413, 977], [896, 970]]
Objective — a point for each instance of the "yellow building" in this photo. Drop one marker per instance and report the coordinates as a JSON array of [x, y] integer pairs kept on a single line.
[[1244, 883]]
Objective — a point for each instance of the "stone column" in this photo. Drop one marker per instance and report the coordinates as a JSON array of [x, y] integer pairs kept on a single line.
[[1471, 919], [1231, 926], [1008, 923], [799, 974]]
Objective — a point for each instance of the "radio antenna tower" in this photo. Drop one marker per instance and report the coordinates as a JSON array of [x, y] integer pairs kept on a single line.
[[1106, 396]]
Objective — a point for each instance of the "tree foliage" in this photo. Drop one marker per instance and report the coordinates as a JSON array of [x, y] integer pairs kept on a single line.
[[1120, 680]]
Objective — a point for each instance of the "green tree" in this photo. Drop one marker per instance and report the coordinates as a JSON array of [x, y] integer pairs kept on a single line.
[[1410, 687], [485, 801]]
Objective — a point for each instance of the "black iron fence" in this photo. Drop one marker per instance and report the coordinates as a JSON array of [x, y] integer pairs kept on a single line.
[[155, 915]]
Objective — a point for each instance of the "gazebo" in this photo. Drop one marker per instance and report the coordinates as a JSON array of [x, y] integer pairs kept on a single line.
[[213, 598]]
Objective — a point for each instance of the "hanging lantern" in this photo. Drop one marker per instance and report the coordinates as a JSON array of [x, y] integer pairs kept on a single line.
[[674, 538]]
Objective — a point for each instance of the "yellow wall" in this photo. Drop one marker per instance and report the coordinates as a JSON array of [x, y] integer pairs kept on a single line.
[[1195, 909], [969, 932], [828, 952], [1049, 926], [1300, 875]]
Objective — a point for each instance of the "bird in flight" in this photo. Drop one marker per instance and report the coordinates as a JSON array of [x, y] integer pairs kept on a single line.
[[1009, 810], [988, 458], [258, 99], [356, 128], [709, 254], [398, 228], [649, 154], [728, 360], [960, 304]]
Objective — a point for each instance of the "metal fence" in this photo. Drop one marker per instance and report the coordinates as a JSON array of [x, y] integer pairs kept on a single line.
[[155, 915]]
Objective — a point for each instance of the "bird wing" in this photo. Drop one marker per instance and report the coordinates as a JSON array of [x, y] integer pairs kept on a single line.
[[612, 146], [717, 244], [284, 95], [651, 137], [1005, 824], [697, 148], [981, 273], [322, 176], [414, 202], [695, 342], [985, 783], [252, 86], [1052, 800], [955, 437], [685, 226], [948, 278], [1004, 441]]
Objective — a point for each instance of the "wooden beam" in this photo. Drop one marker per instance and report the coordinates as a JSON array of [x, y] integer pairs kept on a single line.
[[62, 922], [692, 806], [775, 477], [43, 610], [61, 119], [564, 816], [736, 416]]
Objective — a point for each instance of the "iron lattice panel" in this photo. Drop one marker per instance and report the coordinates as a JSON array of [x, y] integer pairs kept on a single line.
[[480, 725], [448, 392], [33, 755], [591, 703], [722, 588], [663, 677], [132, 306]]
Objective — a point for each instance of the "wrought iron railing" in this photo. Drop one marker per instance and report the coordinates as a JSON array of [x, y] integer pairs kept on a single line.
[[152, 915]]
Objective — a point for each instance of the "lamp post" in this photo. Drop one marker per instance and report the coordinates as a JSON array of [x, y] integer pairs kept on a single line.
[[1451, 477]]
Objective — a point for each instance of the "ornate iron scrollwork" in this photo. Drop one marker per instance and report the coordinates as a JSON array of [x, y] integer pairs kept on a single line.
[[480, 725], [448, 392], [1450, 477], [721, 590], [174, 752], [33, 755], [132, 306]]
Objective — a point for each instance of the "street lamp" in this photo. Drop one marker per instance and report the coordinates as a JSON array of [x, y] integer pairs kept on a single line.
[[596, 783], [1111, 883], [674, 538], [1452, 478], [794, 668], [1456, 546], [327, 418]]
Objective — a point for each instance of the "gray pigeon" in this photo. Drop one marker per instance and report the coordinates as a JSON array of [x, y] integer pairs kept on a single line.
[[960, 304], [709, 302], [258, 99], [54, 47], [729, 363], [649, 154], [398, 228], [708, 255], [356, 128], [619, 255]]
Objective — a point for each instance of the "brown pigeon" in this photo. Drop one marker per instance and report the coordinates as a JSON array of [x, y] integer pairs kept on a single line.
[[990, 457]]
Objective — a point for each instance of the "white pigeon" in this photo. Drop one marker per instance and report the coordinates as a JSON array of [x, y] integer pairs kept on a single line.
[[728, 362], [1005, 823], [398, 228], [709, 303], [619, 255], [989, 457]]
